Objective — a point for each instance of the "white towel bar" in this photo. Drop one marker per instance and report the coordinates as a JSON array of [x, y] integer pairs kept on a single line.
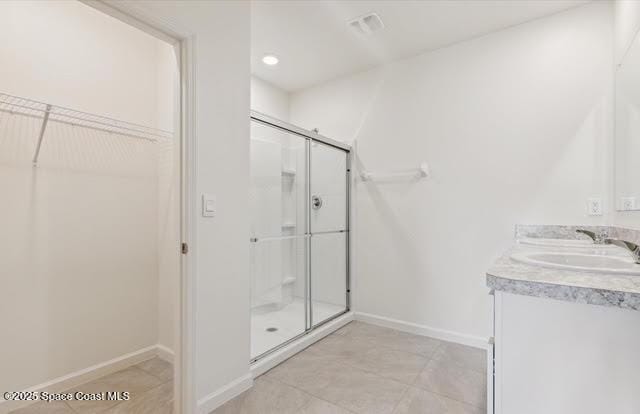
[[415, 173]]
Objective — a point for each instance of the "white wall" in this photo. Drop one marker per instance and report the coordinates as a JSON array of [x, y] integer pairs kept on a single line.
[[124, 77], [627, 24], [516, 126], [221, 251], [269, 99], [79, 247]]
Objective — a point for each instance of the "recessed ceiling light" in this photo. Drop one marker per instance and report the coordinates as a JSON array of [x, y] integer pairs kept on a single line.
[[270, 60]]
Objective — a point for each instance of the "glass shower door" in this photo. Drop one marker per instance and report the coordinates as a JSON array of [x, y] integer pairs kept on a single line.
[[328, 218], [278, 238], [299, 233]]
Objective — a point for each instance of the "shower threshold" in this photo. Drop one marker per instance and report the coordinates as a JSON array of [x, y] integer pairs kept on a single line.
[[271, 329], [284, 351]]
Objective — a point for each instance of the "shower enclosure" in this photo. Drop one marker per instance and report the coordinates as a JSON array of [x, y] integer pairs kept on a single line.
[[299, 196]]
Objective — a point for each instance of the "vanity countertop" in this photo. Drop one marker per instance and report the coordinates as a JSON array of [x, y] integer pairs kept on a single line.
[[590, 287]]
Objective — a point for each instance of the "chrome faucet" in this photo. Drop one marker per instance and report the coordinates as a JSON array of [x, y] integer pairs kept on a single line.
[[633, 248], [598, 238]]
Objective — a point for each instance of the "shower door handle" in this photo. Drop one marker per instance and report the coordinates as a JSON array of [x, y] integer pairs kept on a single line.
[[316, 202]]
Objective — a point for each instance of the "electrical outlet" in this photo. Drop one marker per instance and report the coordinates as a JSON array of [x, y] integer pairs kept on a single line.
[[594, 206], [628, 203]]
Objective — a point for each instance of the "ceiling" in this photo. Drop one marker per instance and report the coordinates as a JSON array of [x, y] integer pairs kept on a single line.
[[314, 42]]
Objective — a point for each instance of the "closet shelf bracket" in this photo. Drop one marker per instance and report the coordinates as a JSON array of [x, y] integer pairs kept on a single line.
[[43, 128]]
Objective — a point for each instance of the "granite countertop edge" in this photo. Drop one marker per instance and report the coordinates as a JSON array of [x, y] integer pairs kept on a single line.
[[509, 276], [568, 293]]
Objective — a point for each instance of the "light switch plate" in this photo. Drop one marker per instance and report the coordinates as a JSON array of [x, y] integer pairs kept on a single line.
[[208, 205], [594, 206]]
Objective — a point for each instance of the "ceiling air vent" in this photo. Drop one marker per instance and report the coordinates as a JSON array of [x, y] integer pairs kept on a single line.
[[367, 24]]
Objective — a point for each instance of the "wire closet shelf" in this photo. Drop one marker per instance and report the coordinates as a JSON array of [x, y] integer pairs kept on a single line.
[[16, 105]]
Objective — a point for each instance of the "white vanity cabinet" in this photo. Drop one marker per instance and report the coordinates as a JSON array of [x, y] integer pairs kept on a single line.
[[560, 357]]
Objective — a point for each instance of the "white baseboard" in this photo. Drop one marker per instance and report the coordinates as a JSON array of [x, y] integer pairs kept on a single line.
[[414, 328], [91, 373], [265, 364], [224, 394], [165, 353]]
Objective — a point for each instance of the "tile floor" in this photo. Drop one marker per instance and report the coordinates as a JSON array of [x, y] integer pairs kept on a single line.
[[150, 384], [366, 369], [360, 369]]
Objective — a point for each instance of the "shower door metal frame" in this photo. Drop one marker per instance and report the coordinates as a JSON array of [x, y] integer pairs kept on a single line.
[[311, 136]]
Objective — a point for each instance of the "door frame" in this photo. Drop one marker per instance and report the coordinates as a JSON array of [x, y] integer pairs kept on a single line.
[[311, 136], [184, 40]]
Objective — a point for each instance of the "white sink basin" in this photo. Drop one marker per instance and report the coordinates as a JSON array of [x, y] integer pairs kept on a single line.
[[581, 244], [582, 262]]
